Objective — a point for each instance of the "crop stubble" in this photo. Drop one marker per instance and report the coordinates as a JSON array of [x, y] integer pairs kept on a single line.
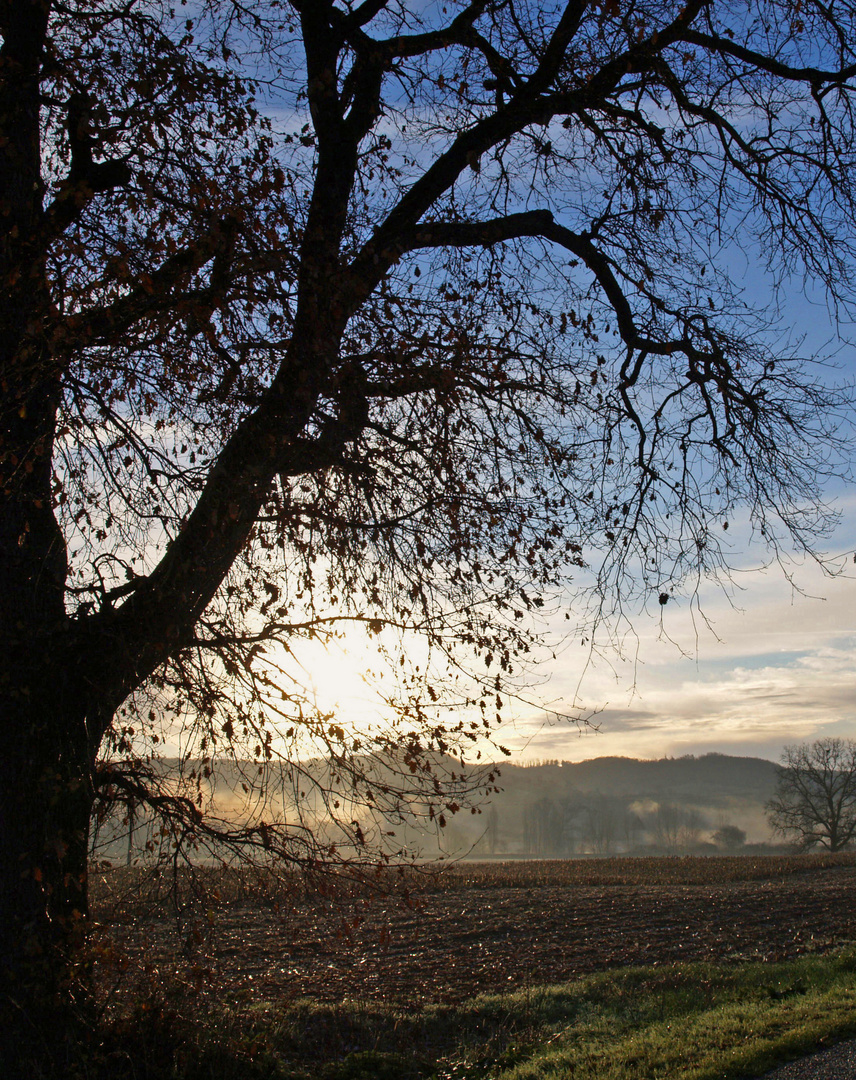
[[488, 928]]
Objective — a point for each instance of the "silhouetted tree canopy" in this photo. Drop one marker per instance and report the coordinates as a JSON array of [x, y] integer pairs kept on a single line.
[[815, 800], [411, 315]]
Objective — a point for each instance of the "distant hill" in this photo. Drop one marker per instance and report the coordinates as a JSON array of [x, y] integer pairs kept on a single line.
[[706, 779], [619, 805]]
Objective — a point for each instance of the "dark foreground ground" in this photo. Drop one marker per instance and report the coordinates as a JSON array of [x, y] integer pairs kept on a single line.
[[485, 928]]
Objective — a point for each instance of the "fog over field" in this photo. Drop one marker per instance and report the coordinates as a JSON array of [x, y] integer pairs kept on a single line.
[[713, 804]]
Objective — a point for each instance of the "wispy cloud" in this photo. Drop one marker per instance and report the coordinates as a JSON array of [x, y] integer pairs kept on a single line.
[[778, 666]]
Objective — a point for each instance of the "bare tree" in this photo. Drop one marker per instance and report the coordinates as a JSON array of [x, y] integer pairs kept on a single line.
[[692, 823], [492, 832], [390, 315], [729, 837], [676, 827], [815, 800], [601, 817], [545, 831], [666, 826]]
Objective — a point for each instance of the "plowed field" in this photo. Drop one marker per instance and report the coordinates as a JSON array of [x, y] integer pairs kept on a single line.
[[504, 926]]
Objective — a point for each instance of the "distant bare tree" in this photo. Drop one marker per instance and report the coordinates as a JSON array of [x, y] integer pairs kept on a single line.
[[492, 831], [676, 827], [631, 827], [543, 828], [815, 800], [729, 837], [692, 822], [601, 824], [666, 826]]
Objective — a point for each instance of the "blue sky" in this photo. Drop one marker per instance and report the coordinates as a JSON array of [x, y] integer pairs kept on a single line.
[[764, 665], [769, 662], [749, 669], [771, 666]]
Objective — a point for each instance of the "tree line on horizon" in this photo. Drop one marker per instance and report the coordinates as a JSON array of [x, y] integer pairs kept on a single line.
[[808, 800], [599, 807]]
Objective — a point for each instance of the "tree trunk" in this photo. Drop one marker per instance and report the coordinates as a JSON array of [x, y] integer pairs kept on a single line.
[[45, 805]]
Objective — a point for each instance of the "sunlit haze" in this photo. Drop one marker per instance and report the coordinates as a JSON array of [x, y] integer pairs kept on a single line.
[[769, 663]]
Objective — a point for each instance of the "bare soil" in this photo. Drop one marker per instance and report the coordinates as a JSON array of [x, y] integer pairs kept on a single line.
[[493, 928]]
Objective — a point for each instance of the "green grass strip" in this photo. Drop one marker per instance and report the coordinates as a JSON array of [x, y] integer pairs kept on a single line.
[[714, 1024], [730, 1041]]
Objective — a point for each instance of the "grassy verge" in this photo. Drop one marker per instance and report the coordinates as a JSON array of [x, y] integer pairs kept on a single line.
[[685, 1022], [694, 1021]]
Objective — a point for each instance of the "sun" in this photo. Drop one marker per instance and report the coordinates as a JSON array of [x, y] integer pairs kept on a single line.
[[339, 678]]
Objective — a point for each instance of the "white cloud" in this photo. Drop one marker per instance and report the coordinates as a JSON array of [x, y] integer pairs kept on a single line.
[[779, 668]]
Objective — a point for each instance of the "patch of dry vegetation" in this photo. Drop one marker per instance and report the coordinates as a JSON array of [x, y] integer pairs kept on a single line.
[[632, 871]]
